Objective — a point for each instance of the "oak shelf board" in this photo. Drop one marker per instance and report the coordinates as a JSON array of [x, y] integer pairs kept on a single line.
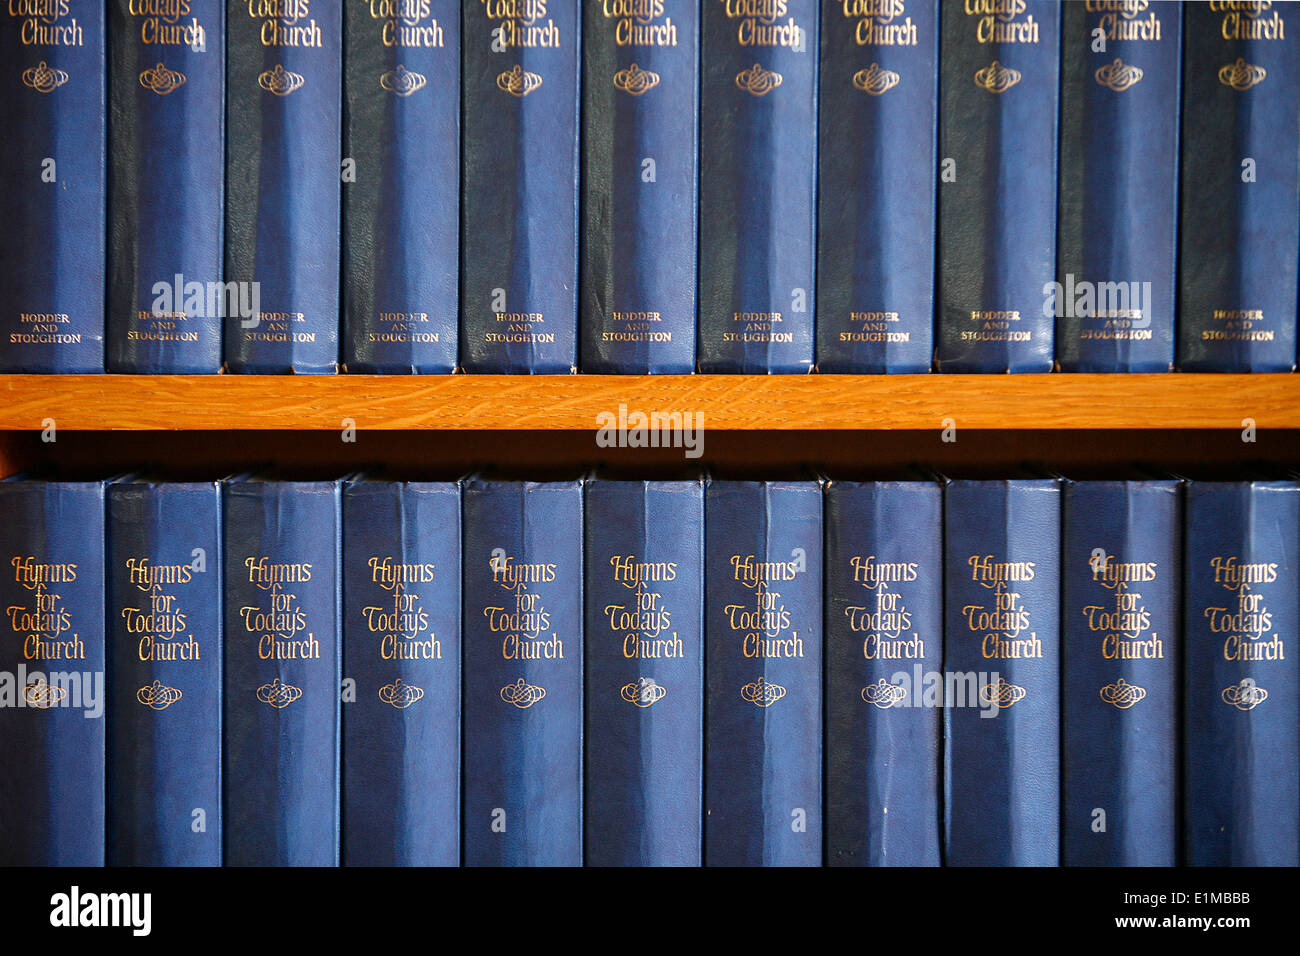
[[574, 402]]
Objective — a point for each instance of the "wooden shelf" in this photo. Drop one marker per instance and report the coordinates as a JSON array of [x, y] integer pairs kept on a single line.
[[735, 402]]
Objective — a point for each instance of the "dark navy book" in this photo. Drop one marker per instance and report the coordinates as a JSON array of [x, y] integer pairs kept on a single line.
[[282, 672], [164, 719], [884, 650], [519, 186], [1118, 214], [1121, 660], [758, 184], [401, 212], [1002, 673], [645, 673], [1239, 246], [640, 116], [763, 673], [167, 73], [1241, 703], [999, 90], [52, 109], [284, 83], [876, 206], [522, 710], [401, 671], [52, 688]]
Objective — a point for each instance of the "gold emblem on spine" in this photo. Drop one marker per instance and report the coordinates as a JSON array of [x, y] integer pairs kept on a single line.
[[758, 81], [43, 695], [643, 692], [884, 694], [400, 695], [1118, 76], [158, 695], [761, 693], [635, 81], [1244, 696], [517, 81], [278, 695], [522, 694], [873, 80], [1122, 694], [401, 81], [44, 78], [161, 80], [996, 78], [1003, 693], [280, 81], [1240, 75]]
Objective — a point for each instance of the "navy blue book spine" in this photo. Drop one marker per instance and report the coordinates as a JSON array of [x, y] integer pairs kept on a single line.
[[52, 660], [645, 673], [1121, 665], [876, 206], [1239, 236], [401, 211], [763, 673], [884, 651], [519, 186], [52, 108], [640, 116], [523, 673], [401, 669], [164, 718], [758, 185], [284, 82], [1002, 673], [999, 93], [1241, 705], [167, 74], [282, 673], [1118, 214]]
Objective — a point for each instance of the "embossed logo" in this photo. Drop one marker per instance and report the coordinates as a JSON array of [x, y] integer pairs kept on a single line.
[[1122, 694], [758, 81], [643, 692], [761, 693], [158, 695], [635, 80], [1244, 696], [1240, 75], [280, 81], [522, 694], [517, 81], [399, 694], [43, 695], [884, 694], [161, 80], [401, 81], [1118, 76], [1003, 693], [43, 78], [874, 81], [278, 695], [996, 78]]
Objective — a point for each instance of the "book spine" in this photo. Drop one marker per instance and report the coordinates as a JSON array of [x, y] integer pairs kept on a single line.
[[1240, 186], [1241, 732], [166, 173], [282, 673], [1118, 213], [52, 661], [401, 212], [763, 710], [283, 92], [999, 92], [884, 651], [876, 207], [401, 666], [640, 114], [523, 673], [164, 718], [519, 187], [1121, 657], [758, 173], [645, 673], [52, 109], [1002, 673]]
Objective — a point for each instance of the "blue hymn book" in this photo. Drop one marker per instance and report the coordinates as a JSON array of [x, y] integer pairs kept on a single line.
[[1121, 656], [52, 206], [1118, 213], [758, 185], [1002, 673], [884, 636], [878, 110], [282, 672], [52, 660], [645, 672], [1241, 704], [284, 84], [763, 673], [997, 185], [401, 669], [167, 73], [1239, 233], [519, 186], [523, 673], [164, 718], [401, 212], [640, 132]]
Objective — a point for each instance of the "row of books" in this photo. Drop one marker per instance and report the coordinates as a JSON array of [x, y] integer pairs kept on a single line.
[[615, 672], [699, 185]]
